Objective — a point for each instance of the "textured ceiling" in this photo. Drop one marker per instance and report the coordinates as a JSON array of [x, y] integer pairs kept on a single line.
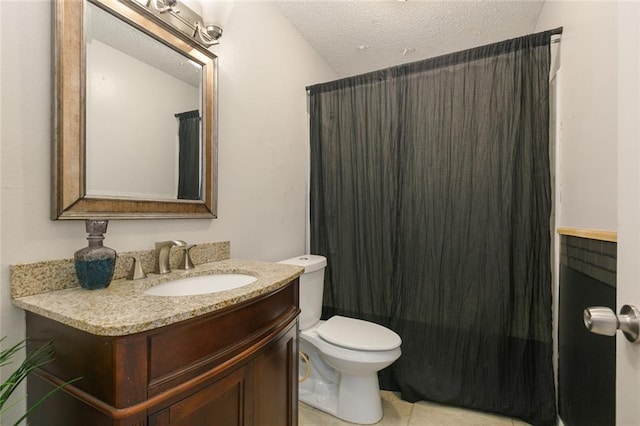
[[358, 36]]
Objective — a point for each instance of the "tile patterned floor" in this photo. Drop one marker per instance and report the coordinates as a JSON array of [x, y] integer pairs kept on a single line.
[[401, 413]]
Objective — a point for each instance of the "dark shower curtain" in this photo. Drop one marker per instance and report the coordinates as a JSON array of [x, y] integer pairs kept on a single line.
[[430, 198], [189, 155]]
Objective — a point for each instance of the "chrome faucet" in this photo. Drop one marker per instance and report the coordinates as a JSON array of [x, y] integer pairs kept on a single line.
[[163, 249]]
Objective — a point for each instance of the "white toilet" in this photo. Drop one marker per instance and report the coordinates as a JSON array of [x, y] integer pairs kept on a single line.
[[340, 357]]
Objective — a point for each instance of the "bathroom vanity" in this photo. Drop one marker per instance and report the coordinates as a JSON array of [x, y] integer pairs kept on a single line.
[[228, 358]]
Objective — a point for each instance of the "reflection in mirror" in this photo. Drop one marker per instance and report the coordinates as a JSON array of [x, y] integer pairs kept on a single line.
[[135, 116], [142, 114]]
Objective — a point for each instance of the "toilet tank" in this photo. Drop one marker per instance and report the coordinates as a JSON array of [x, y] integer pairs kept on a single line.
[[311, 287]]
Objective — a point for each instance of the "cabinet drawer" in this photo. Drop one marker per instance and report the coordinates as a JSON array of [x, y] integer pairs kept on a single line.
[[180, 352]]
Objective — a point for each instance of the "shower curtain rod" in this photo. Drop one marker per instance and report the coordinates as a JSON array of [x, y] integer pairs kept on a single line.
[[556, 31], [553, 32]]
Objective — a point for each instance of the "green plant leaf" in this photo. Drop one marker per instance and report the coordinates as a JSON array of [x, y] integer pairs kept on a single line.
[[35, 359], [44, 398]]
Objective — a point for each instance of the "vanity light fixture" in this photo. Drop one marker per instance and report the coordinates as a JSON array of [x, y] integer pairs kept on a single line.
[[163, 6], [215, 14], [201, 20]]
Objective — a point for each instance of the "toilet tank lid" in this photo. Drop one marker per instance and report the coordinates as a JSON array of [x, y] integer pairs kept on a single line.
[[310, 262]]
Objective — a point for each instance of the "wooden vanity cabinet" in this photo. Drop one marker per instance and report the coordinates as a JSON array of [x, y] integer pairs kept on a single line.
[[236, 366]]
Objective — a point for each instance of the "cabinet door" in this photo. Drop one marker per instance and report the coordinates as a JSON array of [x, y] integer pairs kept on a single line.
[[275, 396], [223, 403]]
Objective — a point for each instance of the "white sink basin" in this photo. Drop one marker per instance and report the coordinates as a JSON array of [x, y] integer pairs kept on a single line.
[[201, 285]]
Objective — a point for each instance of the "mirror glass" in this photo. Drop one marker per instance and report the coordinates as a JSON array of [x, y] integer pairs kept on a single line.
[[135, 104], [139, 95]]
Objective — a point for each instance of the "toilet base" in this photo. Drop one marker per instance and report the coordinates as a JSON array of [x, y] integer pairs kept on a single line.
[[319, 394], [355, 399]]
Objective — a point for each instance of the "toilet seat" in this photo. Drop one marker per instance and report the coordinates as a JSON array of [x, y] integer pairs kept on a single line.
[[357, 334], [360, 357]]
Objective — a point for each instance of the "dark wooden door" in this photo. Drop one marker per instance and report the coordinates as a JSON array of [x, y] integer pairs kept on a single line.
[[223, 403]]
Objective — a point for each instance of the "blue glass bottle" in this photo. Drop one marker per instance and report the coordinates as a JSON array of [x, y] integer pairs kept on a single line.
[[96, 263]]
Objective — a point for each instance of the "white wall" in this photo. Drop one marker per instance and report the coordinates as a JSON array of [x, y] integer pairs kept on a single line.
[[263, 181], [263, 134], [587, 111]]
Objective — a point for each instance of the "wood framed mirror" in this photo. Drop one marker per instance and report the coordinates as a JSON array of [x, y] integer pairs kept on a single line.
[[120, 114]]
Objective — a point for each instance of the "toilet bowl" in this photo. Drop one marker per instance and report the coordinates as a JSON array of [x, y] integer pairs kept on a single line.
[[340, 357]]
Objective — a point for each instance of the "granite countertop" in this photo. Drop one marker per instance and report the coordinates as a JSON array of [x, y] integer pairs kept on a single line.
[[123, 309]]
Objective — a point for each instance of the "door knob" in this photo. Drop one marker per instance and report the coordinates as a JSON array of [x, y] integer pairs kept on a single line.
[[602, 320]]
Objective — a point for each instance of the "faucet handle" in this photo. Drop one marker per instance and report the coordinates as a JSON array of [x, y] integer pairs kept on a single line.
[[136, 272], [186, 262]]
